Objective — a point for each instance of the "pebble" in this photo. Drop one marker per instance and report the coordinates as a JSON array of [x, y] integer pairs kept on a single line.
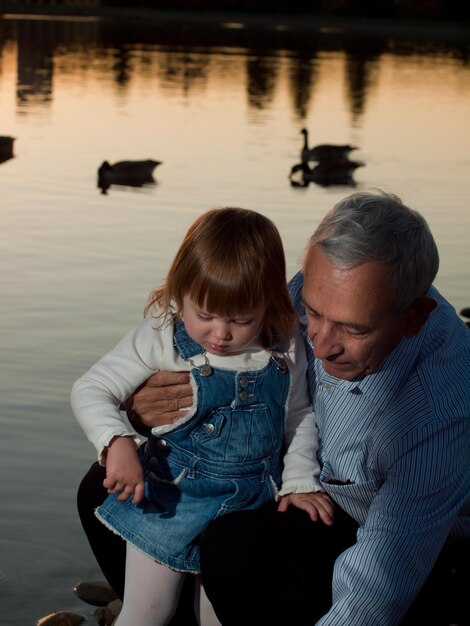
[[111, 612], [61, 618], [95, 592]]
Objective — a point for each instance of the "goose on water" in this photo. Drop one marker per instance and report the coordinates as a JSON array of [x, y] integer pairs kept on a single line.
[[325, 152], [6, 148], [128, 173], [465, 312]]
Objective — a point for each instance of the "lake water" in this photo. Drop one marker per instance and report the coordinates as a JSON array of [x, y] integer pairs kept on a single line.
[[222, 105]]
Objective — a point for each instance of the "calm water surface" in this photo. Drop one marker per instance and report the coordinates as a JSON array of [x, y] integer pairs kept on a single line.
[[222, 107]]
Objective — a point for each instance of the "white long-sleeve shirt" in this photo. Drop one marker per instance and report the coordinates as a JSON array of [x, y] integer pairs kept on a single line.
[[147, 348]]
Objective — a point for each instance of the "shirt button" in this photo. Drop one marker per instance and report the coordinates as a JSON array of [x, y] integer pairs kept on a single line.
[[162, 444], [244, 395], [153, 461], [244, 382], [209, 428], [324, 386]]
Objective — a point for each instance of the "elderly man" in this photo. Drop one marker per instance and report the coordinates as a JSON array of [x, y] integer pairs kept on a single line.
[[389, 372]]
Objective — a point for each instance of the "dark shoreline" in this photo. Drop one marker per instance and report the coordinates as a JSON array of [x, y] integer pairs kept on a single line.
[[247, 21]]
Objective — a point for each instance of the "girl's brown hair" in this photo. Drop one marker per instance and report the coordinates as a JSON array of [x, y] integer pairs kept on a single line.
[[230, 262]]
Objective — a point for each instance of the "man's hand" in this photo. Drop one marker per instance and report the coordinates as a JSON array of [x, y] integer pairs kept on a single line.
[[160, 399], [317, 504]]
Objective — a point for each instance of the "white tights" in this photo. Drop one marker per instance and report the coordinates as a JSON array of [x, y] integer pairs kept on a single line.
[[151, 593]]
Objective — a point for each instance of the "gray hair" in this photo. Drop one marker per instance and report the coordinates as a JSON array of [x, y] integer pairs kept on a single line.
[[378, 227]]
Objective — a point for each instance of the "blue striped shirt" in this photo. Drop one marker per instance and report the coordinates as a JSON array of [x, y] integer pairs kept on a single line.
[[395, 455]]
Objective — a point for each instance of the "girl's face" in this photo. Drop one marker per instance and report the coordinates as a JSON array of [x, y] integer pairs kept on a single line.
[[221, 335]]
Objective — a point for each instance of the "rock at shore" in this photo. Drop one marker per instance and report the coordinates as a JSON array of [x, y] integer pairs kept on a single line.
[[95, 592], [61, 618]]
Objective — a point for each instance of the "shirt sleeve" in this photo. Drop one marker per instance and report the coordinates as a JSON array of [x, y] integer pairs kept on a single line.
[[301, 468], [97, 395], [427, 483]]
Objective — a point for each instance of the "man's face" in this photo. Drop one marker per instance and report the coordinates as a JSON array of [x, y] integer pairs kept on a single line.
[[351, 321]]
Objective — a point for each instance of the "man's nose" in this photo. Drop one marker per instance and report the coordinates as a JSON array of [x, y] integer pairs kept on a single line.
[[324, 338]]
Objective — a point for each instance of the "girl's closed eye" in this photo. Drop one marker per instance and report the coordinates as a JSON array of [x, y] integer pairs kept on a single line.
[[243, 322], [204, 317]]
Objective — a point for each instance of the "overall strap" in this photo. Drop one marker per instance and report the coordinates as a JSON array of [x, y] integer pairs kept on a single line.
[[183, 343]]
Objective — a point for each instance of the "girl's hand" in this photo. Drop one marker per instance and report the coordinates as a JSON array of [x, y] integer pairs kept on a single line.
[[124, 474], [317, 504]]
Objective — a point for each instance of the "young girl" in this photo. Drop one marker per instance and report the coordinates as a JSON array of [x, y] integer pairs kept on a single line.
[[225, 315]]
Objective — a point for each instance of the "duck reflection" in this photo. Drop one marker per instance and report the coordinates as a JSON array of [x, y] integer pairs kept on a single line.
[[324, 174], [126, 173], [6, 148]]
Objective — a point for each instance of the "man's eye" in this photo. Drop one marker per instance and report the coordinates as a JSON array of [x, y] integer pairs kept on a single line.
[[356, 332]]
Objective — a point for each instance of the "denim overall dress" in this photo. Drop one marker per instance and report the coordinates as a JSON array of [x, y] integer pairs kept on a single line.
[[227, 457]]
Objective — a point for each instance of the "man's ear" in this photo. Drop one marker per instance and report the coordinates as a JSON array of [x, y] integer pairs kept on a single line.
[[417, 314]]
